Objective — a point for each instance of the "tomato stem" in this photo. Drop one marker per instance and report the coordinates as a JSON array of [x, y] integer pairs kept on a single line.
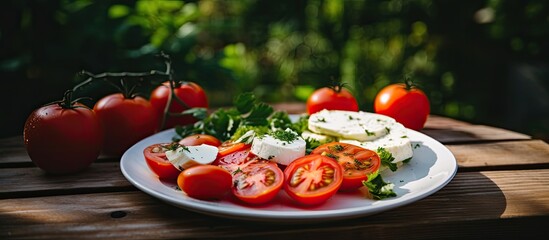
[[121, 85], [337, 86]]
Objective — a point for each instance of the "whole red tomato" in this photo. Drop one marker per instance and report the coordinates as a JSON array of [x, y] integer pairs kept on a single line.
[[63, 138], [125, 121], [331, 98], [206, 182], [404, 102], [190, 93]]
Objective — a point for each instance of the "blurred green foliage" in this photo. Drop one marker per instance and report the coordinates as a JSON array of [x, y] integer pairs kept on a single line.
[[460, 52]]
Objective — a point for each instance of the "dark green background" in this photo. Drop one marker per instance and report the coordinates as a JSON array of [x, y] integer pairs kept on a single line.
[[484, 62]]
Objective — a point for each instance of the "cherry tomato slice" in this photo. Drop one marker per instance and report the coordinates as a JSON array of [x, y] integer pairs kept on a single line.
[[255, 180], [206, 182], [258, 182], [199, 139], [155, 156], [228, 147], [359, 164], [312, 179]]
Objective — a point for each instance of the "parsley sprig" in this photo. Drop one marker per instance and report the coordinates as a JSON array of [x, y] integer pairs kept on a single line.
[[386, 158], [247, 114]]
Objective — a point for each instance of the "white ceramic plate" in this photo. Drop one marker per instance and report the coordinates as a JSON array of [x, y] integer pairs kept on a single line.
[[431, 168]]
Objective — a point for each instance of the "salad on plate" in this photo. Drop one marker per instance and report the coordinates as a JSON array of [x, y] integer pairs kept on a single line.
[[250, 153]]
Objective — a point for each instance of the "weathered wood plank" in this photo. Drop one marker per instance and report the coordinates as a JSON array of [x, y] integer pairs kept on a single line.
[[32, 181], [435, 121], [472, 133], [511, 202], [501, 155]]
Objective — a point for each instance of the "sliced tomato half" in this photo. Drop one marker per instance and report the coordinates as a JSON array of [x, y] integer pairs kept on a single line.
[[255, 180], [155, 156], [359, 164], [312, 179], [258, 182]]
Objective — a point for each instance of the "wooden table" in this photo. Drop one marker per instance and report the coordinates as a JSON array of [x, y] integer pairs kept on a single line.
[[501, 190]]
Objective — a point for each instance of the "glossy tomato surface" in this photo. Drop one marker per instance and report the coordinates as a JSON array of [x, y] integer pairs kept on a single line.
[[408, 105], [359, 164], [155, 157], [331, 99], [199, 139], [312, 179], [206, 182], [255, 180], [125, 121], [63, 140], [190, 93]]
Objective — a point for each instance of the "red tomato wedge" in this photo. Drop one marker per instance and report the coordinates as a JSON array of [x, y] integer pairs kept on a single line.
[[205, 182], [199, 139], [312, 179], [155, 156], [359, 164], [255, 180], [228, 147]]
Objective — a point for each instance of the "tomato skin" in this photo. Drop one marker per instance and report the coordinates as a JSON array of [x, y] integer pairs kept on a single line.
[[62, 141], [255, 181], [328, 98], [190, 93], [299, 189], [155, 157], [357, 163], [262, 189], [199, 139], [124, 121], [227, 148], [206, 182], [408, 106]]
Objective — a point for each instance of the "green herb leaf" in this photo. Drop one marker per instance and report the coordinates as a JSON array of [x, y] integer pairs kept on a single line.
[[311, 144], [379, 189], [198, 113], [245, 102], [259, 114], [301, 125], [386, 158], [285, 136]]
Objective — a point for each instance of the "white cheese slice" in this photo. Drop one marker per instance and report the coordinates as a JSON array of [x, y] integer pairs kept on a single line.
[[189, 156], [321, 138], [282, 152], [360, 126], [396, 142]]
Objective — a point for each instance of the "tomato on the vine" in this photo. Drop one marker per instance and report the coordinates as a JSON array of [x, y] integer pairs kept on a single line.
[[205, 182], [255, 180], [359, 164], [198, 139], [331, 98], [64, 137], [312, 179], [190, 93], [155, 157], [125, 121], [405, 103]]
